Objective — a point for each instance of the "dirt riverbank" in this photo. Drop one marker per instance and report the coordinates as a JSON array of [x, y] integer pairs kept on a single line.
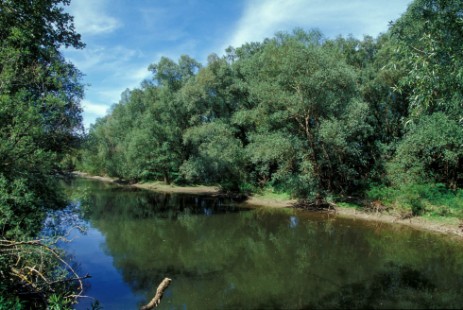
[[448, 226]]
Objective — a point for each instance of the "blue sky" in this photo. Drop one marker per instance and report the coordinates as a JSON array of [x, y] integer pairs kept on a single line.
[[124, 37]]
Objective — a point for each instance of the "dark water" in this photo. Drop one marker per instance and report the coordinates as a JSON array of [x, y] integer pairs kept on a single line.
[[222, 257]]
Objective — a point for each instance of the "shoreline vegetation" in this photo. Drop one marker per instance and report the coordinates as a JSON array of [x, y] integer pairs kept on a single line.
[[450, 226]]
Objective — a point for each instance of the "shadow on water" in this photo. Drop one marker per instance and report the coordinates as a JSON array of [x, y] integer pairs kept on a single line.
[[135, 203], [395, 286], [223, 257]]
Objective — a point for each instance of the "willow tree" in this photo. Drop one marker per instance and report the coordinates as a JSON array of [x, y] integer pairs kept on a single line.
[[306, 97], [428, 45], [427, 41]]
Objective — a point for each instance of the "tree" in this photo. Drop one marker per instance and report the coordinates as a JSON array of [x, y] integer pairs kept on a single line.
[[304, 93], [217, 156], [142, 136], [168, 118], [428, 42], [40, 120], [40, 124], [431, 151]]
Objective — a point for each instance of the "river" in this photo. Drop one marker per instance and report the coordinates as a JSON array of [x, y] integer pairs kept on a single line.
[[222, 256]]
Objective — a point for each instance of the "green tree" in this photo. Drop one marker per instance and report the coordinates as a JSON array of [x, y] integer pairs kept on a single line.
[[217, 156], [40, 125], [40, 94], [141, 138], [431, 151], [306, 94], [428, 42]]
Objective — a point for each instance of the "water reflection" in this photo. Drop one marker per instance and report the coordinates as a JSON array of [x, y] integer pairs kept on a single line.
[[221, 256]]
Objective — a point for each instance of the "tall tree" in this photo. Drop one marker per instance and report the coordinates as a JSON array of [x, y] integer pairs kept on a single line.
[[427, 49], [306, 96], [40, 124], [428, 43], [40, 113]]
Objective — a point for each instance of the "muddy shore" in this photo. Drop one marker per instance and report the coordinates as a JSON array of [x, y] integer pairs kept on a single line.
[[449, 227]]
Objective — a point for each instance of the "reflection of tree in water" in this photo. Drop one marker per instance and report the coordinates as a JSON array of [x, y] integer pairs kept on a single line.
[[254, 258], [132, 203], [221, 257], [396, 286]]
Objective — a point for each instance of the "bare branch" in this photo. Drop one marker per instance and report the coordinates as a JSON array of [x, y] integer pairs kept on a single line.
[[159, 292]]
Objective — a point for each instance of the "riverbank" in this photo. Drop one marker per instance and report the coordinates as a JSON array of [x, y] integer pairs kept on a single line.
[[255, 200], [157, 186], [443, 225]]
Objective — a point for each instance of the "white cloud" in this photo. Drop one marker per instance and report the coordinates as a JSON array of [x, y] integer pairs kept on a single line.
[[94, 108], [114, 58], [110, 90], [108, 70], [90, 17], [262, 18], [139, 74]]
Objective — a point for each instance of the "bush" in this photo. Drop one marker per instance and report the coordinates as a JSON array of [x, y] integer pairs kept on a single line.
[[420, 199], [432, 150]]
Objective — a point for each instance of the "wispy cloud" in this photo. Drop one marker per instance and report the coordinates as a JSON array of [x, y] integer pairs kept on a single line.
[[139, 74], [92, 111], [262, 18], [94, 108], [101, 58], [110, 90], [108, 70], [91, 18]]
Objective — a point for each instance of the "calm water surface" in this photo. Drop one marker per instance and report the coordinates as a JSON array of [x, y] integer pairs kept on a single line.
[[220, 256]]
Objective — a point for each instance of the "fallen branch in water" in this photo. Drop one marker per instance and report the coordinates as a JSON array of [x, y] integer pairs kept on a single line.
[[159, 292]]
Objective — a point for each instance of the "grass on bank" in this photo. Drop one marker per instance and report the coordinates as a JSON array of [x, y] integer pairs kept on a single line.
[[431, 201], [434, 201], [272, 194]]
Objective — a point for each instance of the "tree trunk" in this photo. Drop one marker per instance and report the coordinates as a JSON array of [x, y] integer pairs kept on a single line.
[[166, 177]]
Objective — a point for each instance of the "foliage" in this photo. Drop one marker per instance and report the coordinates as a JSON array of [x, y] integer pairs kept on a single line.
[[424, 199], [428, 37], [40, 128], [38, 276], [304, 94], [218, 157], [39, 106], [431, 150]]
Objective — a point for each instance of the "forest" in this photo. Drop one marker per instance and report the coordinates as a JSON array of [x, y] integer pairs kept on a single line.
[[321, 119]]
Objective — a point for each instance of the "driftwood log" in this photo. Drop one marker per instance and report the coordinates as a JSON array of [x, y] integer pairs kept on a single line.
[[159, 292]]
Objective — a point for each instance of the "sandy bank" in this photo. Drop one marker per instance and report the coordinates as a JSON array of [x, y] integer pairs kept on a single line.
[[158, 186], [448, 226]]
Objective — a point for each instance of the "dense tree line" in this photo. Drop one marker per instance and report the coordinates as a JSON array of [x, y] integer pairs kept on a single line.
[[40, 128], [299, 113]]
